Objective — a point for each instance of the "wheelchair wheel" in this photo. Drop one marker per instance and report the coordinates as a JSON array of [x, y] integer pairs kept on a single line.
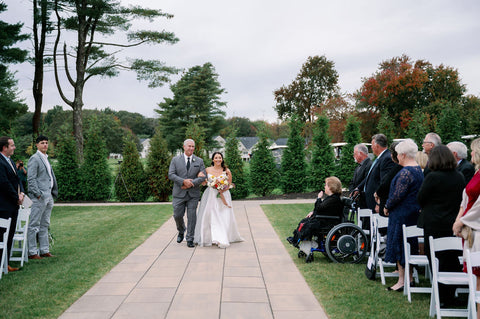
[[301, 254], [346, 243]]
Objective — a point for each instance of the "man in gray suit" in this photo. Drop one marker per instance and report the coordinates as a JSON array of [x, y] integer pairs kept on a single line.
[[184, 172], [42, 188]]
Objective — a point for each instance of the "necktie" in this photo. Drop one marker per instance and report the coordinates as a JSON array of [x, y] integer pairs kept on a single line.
[[188, 163]]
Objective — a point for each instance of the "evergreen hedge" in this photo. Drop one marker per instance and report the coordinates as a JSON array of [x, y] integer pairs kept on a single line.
[[294, 172], [234, 162], [158, 162]]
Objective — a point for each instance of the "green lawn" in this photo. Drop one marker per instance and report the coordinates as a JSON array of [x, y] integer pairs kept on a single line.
[[89, 241], [342, 289]]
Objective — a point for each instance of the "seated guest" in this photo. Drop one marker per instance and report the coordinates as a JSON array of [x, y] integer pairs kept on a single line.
[[460, 151], [360, 154], [439, 198], [402, 207], [330, 206]]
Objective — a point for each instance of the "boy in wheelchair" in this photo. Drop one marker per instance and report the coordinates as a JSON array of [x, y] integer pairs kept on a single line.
[[326, 214]]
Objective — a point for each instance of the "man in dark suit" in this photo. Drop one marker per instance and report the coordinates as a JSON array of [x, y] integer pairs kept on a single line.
[[11, 190], [184, 172], [460, 151], [360, 154], [378, 171]]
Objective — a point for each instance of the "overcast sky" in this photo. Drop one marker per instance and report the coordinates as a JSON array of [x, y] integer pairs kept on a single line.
[[257, 46]]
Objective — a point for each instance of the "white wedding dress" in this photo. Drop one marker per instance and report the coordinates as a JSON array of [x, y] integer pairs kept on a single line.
[[216, 222]]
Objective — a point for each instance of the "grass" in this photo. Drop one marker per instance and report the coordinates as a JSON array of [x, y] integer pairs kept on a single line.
[[89, 241], [342, 289]]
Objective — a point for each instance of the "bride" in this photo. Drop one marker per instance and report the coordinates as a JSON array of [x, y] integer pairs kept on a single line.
[[216, 222]]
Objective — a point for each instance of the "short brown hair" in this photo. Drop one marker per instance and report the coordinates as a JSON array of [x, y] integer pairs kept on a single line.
[[334, 184], [441, 159]]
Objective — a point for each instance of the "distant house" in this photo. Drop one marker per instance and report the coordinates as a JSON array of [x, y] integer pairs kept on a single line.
[[277, 149], [245, 146]]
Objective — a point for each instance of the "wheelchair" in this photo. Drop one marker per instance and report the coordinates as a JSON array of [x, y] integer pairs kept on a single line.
[[340, 239]]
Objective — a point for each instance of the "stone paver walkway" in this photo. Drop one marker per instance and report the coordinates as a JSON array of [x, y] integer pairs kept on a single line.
[[163, 279]]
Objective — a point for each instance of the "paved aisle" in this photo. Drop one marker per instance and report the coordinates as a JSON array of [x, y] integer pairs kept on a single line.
[[164, 279]]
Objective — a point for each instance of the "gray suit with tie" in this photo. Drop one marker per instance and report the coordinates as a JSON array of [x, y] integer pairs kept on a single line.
[[186, 198], [42, 188]]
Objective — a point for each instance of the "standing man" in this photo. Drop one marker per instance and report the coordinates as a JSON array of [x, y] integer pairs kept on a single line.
[[42, 188], [378, 171], [184, 172], [460, 151], [429, 142], [360, 154], [11, 191]]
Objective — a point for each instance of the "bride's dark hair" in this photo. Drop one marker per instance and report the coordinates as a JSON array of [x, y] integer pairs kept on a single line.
[[223, 161]]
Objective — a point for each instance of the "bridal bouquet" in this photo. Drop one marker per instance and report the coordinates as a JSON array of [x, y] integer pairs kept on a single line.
[[220, 183]]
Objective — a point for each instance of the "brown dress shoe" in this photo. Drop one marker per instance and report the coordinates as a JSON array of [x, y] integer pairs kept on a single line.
[[34, 257], [47, 255], [10, 269]]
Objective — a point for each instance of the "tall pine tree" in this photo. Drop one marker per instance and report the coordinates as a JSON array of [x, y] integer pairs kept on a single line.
[[294, 172], [131, 184], [158, 162], [323, 159], [234, 162], [263, 172], [352, 137], [95, 172]]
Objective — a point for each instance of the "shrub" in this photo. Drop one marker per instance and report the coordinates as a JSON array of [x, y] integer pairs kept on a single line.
[[234, 162], [293, 178], [158, 162]]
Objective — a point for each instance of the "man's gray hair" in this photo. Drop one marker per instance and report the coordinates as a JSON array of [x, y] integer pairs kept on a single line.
[[407, 147], [380, 139], [459, 148], [361, 148], [188, 140], [434, 138]]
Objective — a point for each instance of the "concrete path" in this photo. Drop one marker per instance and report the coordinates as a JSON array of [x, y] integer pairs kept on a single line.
[[163, 279]]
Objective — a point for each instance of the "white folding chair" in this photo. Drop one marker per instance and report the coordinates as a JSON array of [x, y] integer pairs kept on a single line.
[[446, 278], [473, 260], [4, 223], [382, 222], [19, 243], [364, 213], [414, 259]]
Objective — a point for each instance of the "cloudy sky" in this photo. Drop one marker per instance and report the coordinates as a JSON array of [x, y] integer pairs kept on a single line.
[[257, 46]]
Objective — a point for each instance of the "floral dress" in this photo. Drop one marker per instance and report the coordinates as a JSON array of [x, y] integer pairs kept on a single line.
[[403, 208], [216, 223]]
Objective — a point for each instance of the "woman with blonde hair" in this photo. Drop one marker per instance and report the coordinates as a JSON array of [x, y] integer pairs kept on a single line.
[[469, 213]]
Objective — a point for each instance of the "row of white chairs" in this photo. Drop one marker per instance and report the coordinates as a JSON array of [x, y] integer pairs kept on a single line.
[[19, 243], [436, 276]]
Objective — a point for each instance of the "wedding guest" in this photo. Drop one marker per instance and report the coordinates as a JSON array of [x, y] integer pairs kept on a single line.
[[460, 151], [469, 213], [422, 159], [429, 142], [381, 195], [42, 188], [330, 206], [22, 173], [439, 198], [402, 206], [378, 171], [360, 154]]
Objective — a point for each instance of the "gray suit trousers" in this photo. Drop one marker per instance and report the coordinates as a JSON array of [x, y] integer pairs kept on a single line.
[[179, 205]]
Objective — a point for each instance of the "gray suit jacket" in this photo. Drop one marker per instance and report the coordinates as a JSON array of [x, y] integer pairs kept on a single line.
[[38, 178], [178, 172]]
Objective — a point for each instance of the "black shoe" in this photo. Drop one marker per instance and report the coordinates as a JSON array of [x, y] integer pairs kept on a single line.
[[190, 244], [397, 290], [180, 238]]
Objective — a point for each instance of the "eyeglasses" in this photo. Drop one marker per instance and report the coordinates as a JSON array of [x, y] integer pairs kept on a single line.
[[425, 142]]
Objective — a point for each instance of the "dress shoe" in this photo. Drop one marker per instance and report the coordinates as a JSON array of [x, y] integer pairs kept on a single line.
[[190, 244], [10, 269], [180, 238], [34, 257], [397, 290], [47, 255]]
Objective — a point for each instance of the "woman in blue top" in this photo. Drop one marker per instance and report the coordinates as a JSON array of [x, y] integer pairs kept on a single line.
[[402, 206]]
